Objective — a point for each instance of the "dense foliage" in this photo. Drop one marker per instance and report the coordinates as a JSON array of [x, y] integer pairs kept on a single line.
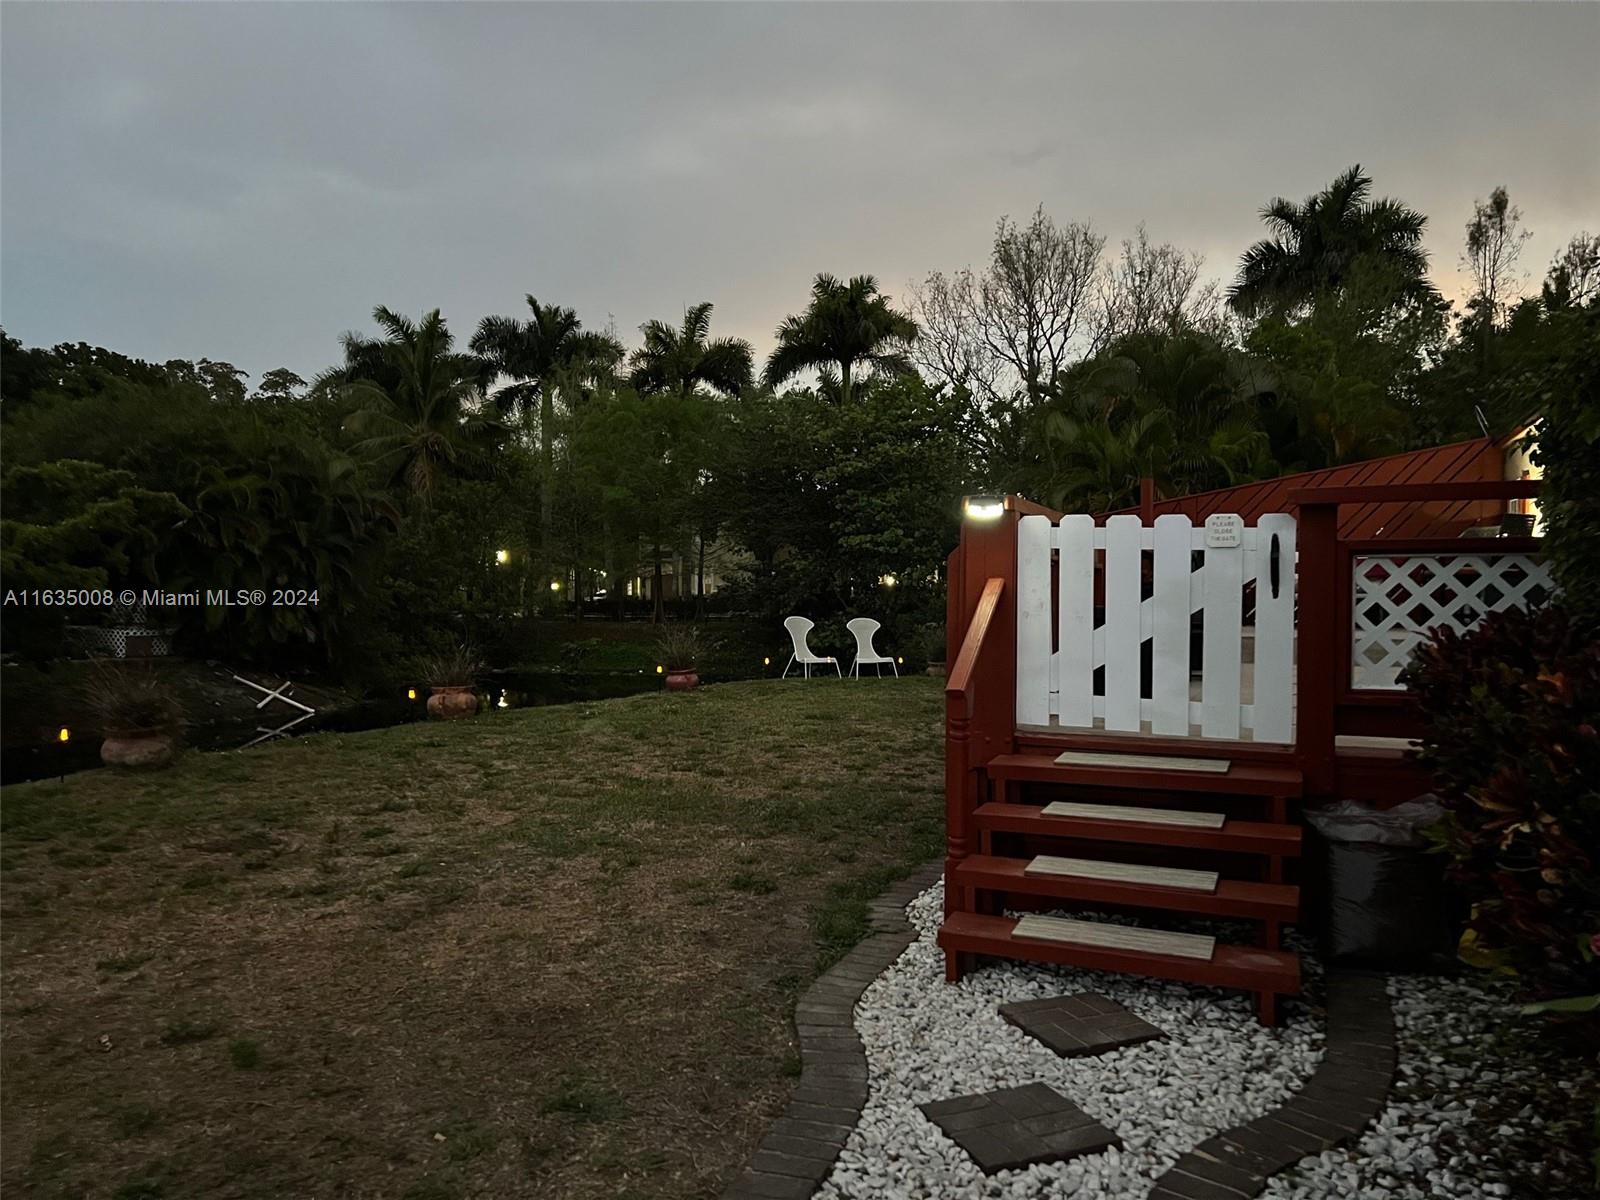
[[431, 493], [1513, 744]]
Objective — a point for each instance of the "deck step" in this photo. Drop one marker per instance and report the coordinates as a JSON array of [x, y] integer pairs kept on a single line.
[[1116, 872], [1250, 968], [1142, 762], [1239, 837], [1240, 779], [1128, 812], [1231, 898], [1116, 937]]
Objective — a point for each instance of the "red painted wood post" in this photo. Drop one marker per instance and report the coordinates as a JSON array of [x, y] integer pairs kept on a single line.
[[957, 614], [1323, 647], [1147, 500]]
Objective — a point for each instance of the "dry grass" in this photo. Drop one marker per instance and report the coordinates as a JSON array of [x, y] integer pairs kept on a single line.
[[549, 952]]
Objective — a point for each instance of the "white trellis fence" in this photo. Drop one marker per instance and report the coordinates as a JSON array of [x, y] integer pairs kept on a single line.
[[1398, 597], [1076, 670]]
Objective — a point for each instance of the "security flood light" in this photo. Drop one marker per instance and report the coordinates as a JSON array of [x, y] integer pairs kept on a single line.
[[983, 508]]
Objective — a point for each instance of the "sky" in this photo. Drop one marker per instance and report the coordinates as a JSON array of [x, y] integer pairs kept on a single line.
[[245, 181]]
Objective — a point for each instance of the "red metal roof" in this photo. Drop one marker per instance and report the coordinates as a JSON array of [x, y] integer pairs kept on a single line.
[[1480, 459]]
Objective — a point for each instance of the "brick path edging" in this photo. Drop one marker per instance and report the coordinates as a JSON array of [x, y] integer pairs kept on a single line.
[[799, 1149], [1348, 1088]]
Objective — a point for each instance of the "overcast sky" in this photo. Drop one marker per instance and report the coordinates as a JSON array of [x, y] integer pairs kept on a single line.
[[245, 181]]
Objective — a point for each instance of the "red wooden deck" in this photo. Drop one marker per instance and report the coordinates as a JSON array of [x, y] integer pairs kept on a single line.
[[998, 776]]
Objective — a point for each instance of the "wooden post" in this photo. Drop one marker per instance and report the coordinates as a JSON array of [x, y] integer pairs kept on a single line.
[[1322, 666], [1147, 500]]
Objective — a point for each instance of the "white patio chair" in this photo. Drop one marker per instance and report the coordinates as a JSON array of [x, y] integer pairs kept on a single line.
[[798, 627], [864, 628]]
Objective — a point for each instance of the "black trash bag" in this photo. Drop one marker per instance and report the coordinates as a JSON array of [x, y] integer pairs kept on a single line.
[[1384, 900]]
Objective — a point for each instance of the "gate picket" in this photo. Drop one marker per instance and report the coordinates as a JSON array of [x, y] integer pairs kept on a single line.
[[1058, 651]]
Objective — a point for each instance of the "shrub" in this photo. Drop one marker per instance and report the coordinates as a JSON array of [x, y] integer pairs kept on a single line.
[[128, 700], [1511, 710], [680, 646], [456, 667]]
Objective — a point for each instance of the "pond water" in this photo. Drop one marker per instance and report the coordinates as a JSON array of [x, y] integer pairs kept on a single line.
[[498, 690]]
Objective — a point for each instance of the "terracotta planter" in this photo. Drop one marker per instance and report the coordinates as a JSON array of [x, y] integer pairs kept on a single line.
[[682, 680], [138, 751], [452, 703]]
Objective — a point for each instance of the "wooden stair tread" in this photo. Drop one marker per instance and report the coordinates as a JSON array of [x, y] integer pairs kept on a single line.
[[1248, 967], [1232, 897], [1117, 937], [1119, 872], [1142, 762], [1127, 812], [1241, 779], [1244, 837]]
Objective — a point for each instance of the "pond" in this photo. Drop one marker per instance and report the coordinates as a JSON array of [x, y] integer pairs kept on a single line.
[[498, 690]]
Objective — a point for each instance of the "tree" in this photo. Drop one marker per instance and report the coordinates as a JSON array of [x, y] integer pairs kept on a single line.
[[223, 381], [1020, 323], [1154, 288], [1495, 239], [417, 403], [1317, 245], [845, 325], [681, 360], [1037, 296], [1574, 276], [534, 354], [280, 386], [1180, 408]]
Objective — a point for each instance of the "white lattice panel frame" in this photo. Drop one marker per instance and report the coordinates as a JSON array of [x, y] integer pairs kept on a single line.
[[1398, 598]]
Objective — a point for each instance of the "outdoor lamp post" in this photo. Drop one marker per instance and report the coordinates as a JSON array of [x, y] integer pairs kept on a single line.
[[983, 508]]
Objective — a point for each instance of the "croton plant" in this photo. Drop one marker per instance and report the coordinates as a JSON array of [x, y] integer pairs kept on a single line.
[[1511, 710]]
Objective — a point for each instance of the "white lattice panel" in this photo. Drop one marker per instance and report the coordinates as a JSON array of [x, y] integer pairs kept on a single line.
[[1398, 598]]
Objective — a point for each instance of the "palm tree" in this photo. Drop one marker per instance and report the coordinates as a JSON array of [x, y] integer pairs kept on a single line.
[[1100, 454], [681, 360], [536, 355], [845, 324], [416, 401], [1317, 245], [1175, 407]]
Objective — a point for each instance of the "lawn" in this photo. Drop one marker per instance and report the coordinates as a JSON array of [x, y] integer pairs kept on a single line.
[[550, 952]]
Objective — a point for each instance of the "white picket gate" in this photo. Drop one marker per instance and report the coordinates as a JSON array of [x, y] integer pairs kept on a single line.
[[1058, 652]]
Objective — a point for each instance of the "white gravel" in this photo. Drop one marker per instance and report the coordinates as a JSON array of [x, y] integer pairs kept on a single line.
[[1485, 1105], [926, 1040]]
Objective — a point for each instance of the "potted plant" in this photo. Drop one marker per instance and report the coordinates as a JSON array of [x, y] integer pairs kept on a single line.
[[680, 647], [450, 677], [139, 715]]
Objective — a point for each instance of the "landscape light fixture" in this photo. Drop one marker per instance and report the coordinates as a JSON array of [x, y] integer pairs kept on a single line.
[[887, 580], [555, 585], [63, 735], [766, 662], [411, 693], [983, 508], [660, 670], [502, 557]]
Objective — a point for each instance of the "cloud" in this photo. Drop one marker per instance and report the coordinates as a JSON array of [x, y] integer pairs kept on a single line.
[[246, 181]]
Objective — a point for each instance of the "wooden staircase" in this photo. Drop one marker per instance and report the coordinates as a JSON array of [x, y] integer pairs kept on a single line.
[[1144, 839]]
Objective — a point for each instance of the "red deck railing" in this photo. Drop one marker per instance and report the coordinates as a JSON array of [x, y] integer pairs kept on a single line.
[[981, 648]]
